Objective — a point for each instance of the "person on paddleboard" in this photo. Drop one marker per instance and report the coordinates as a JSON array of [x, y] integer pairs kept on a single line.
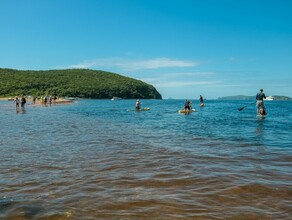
[[201, 100], [261, 110], [187, 105], [138, 105]]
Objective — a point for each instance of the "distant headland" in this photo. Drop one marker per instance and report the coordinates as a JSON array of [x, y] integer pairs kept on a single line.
[[243, 97], [82, 83]]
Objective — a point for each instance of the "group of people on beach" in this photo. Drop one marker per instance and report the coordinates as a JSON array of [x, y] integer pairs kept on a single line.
[[46, 99], [43, 100]]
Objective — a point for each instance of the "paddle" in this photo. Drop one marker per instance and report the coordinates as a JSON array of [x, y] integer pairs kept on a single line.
[[241, 108]]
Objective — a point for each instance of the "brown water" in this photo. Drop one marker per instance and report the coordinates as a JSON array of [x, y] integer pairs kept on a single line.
[[78, 162]]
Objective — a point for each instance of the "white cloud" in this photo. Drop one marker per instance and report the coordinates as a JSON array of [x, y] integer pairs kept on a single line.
[[160, 63], [174, 79], [188, 74], [134, 64], [150, 80]]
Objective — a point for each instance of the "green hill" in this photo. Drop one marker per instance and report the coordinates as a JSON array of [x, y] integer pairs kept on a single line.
[[83, 83], [237, 97], [284, 98]]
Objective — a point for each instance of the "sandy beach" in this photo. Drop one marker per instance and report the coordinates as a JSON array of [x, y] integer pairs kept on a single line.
[[38, 102]]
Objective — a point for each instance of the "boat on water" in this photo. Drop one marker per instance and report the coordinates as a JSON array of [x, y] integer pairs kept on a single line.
[[269, 98], [115, 98]]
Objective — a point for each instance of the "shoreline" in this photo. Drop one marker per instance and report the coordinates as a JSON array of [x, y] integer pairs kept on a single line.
[[38, 102]]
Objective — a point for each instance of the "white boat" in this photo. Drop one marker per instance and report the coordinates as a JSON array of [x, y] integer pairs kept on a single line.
[[70, 98], [115, 98], [269, 98]]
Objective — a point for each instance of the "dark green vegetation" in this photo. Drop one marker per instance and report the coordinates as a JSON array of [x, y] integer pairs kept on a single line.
[[278, 97], [243, 97], [83, 83]]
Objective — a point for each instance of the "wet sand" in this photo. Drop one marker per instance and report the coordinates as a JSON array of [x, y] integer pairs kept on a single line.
[[38, 102]]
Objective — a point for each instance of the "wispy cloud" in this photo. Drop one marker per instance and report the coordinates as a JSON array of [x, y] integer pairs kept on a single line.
[[188, 74], [174, 79], [160, 63], [125, 64]]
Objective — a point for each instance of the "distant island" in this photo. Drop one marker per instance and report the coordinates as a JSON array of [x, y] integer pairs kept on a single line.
[[82, 83], [243, 97]]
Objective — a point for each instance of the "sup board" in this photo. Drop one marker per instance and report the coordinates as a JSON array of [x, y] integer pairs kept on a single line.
[[141, 109], [186, 111], [202, 104]]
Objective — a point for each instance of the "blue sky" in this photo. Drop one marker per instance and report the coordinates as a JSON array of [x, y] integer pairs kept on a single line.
[[183, 47]]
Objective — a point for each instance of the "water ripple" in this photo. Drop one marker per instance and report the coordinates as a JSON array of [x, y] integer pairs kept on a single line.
[[83, 162]]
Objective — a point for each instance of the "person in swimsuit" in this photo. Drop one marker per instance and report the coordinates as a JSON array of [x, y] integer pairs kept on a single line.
[[45, 100], [23, 101], [16, 100], [33, 100]]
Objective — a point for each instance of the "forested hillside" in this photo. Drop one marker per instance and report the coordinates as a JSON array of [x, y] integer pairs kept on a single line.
[[83, 83]]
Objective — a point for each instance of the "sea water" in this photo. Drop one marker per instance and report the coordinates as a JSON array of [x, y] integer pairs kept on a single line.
[[98, 159]]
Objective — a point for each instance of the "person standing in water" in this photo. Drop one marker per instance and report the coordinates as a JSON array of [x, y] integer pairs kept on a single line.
[[201, 100], [261, 110], [137, 104], [16, 100], [23, 101], [33, 99]]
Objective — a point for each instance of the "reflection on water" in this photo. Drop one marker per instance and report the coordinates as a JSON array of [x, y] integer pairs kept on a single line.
[[95, 159], [259, 131], [22, 111]]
